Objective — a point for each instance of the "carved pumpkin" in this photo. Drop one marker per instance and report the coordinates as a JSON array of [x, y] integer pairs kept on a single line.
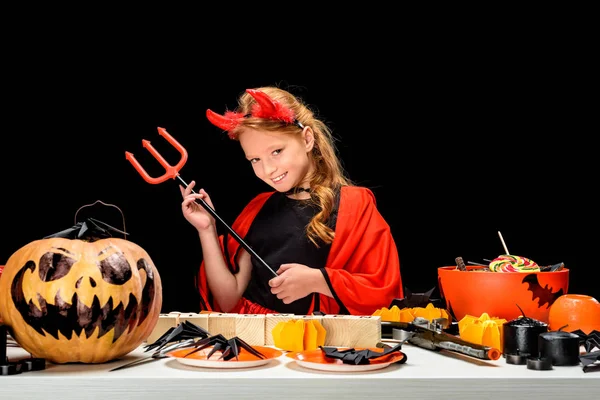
[[501, 294], [69, 300]]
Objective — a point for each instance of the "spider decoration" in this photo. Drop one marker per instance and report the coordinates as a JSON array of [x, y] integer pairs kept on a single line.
[[589, 341], [182, 335], [229, 348], [183, 331], [359, 357]]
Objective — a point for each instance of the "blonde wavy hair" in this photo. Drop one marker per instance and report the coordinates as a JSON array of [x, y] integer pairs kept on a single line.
[[329, 174]]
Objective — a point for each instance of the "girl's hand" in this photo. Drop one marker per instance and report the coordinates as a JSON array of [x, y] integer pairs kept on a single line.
[[294, 282], [193, 212]]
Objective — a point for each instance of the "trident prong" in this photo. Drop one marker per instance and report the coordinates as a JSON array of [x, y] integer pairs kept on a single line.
[[173, 172]]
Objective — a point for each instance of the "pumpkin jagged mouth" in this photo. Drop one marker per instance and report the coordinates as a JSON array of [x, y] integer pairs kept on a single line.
[[74, 317]]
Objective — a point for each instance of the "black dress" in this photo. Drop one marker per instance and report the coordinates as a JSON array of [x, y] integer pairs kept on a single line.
[[278, 236]]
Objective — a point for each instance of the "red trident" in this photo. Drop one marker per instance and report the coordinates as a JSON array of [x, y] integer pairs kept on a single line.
[[173, 172]]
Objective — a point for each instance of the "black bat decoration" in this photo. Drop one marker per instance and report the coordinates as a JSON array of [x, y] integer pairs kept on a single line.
[[590, 361], [589, 341], [90, 229], [412, 300], [357, 357], [544, 294]]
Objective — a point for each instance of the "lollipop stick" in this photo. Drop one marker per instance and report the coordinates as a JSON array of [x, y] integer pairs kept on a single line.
[[503, 244]]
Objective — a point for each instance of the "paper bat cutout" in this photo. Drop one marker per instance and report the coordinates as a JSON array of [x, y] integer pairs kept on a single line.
[[589, 361], [91, 229], [589, 341], [357, 357], [412, 300], [544, 294]]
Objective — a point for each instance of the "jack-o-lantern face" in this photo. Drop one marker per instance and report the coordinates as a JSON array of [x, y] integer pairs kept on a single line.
[[75, 301]]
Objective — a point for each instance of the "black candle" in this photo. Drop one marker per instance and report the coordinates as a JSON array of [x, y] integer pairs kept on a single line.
[[521, 336], [33, 364], [539, 364], [10, 368], [561, 347]]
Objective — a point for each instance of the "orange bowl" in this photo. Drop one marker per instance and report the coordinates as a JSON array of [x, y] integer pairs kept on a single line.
[[501, 294], [575, 311]]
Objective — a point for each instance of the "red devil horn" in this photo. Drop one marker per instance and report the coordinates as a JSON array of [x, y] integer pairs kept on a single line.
[[227, 122], [268, 107]]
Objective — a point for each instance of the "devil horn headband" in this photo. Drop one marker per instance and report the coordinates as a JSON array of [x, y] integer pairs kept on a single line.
[[265, 107]]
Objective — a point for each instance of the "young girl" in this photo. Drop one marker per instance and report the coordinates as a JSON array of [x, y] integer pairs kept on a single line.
[[324, 237]]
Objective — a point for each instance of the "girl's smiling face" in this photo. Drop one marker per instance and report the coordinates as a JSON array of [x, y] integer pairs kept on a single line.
[[281, 160]]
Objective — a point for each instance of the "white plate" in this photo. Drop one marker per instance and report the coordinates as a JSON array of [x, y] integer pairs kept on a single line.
[[316, 359], [341, 367], [221, 364]]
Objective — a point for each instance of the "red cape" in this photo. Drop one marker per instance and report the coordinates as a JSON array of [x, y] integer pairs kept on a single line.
[[363, 267]]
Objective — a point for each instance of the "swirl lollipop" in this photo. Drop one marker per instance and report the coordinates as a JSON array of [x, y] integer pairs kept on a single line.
[[510, 263]]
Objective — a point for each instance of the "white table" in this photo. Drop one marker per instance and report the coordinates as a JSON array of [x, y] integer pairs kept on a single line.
[[425, 375]]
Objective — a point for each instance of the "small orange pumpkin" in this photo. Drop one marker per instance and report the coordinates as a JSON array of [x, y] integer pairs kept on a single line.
[[573, 312], [69, 300]]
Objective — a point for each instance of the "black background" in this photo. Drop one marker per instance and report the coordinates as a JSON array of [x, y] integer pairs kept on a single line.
[[455, 148]]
